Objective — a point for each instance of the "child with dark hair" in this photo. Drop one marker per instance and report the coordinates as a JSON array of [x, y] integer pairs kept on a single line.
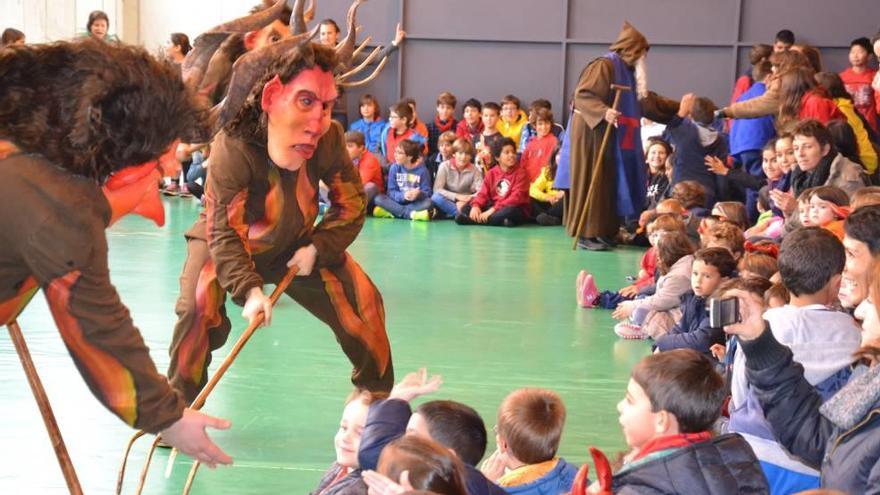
[[471, 125], [672, 402], [370, 124], [692, 135], [366, 163], [445, 151], [538, 152], [529, 427], [547, 202], [759, 53], [823, 341], [829, 207], [486, 141], [417, 463], [444, 120], [399, 128], [529, 130], [513, 119], [692, 197], [768, 225], [711, 268], [857, 79], [854, 137], [784, 40], [458, 180], [12, 36], [503, 198], [656, 153], [408, 194]]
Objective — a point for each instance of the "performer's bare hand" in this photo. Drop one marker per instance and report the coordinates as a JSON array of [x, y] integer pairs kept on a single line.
[[399, 35], [751, 315], [719, 351], [304, 259], [415, 385], [611, 116], [493, 467], [188, 435], [257, 303], [686, 105], [475, 213], [379, 484]]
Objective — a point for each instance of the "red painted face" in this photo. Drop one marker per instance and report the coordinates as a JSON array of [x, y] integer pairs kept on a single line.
[[299, 114], [135, 189]]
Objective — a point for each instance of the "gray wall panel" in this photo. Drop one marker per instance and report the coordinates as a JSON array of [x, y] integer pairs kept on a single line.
[[816, 22], [480, 19]]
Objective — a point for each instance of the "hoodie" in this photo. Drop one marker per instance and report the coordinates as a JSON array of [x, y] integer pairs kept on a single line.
[[693, 142]]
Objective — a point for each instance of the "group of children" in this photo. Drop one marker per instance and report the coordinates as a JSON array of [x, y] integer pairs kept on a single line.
[[496, 166]]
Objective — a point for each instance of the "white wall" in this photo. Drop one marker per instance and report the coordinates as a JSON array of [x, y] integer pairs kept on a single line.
[[160, 18], [52, 20]]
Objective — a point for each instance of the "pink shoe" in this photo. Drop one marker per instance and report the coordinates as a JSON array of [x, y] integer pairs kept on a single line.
[[587, 293], [629, 331]]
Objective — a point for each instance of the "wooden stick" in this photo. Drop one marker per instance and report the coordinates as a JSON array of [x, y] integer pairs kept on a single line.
[[45, 408], [190, 478], [582, 215]]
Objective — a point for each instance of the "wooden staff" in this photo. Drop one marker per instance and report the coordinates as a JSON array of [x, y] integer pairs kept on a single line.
[[45, 408], [582, 215]]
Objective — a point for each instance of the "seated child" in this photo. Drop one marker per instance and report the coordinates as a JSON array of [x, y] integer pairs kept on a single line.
[[399, 128], [366, 163], [444, 153], [726, 235], [409, 186], [656, 154], [757, 264], [768, 226], [414, 464], [823, 342], [503, 198], [672, 401], [344, 476], [513, 119], [529, 426], [471, 125], [692, 197], [712, 267], [444, 121], [486, 140], [529, 130], [732, 211], [865, 196], [370, 124], [458, 180], [829, 207], [417, 124], [776, 296], [654, 315], [540, 149], [547, 202]]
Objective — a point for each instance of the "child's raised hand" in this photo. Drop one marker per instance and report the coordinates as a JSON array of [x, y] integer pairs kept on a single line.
[[493, 467], [716, 166], [415, 385], [719, 351]]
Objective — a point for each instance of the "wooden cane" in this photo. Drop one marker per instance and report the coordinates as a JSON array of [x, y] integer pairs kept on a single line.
[[45, 408], [582, 215], [203, 395]]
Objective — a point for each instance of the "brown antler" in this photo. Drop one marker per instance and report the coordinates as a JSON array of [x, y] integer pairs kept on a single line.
[[361, 47], [297, 18], [368, 78], [367, 61], [345, 49]]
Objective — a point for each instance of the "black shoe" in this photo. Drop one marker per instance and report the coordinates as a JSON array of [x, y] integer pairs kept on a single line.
[[462, 219], [547, 220], [592, 244], [608, 241]]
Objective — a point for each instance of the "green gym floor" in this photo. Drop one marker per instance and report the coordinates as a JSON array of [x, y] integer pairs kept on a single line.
[[489, 309]]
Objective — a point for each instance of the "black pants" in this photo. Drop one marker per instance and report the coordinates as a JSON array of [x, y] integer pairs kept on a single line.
[[547, 208], [512, 214]]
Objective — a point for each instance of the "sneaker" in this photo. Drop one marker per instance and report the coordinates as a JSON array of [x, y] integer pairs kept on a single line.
[[421, 215], [547, 220], [184, 192], [171, 189], [380, 212], [629, 331], [592, 244], [587, 292]]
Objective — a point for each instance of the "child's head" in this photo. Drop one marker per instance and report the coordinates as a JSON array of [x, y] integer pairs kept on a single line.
[[776, 296], [472, 111], [672, 247], [828, 204], [690, 193], [510, 106], [811, 260], [771, 167], [670, 166], [369, 107], [656, 153], [504, 152], [764, 202], [662, 225], [785, 158], [407, 153], [543, 122], [535, 105], [732, 211], [803, 201], [530, 422], [760, 265], [862, 240], [400, 116], [430, 466], [670, 393], [351, 426], [445, 142], [491, 112], [411, 102], [711, 267], [859, 52], [725, 235], [452, 425], [464, 151], [865, 196], [703, 111], [760, 52], [11, 36], [784, 40], [762, 70], [354, 144], [446, 105], [670, 206]]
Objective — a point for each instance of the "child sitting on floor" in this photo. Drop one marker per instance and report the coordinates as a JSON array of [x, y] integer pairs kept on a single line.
[[503, 198], [547, 202], [829, 207], [458, 180], [408, 194]]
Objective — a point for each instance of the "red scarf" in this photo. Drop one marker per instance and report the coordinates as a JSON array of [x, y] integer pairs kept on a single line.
[[443, 127], [671, 442]]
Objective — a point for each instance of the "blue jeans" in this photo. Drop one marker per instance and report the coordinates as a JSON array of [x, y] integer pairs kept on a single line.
[[445, 205], [401, 210]]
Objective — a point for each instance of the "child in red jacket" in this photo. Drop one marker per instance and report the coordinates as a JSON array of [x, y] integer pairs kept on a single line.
[[504, 197]]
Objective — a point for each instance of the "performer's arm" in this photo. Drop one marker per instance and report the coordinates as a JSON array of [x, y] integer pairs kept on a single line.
[[593, 91], [766, 104], [344, 219], [97, 329], [658, 108]]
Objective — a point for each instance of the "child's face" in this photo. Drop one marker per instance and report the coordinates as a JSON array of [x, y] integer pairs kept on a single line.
[[397, 122], [637, 420], [401, 158], [656, 157], [445, 148], [509, 112], [471, 115], [368, 111], [866, 312], [542, 127], [785, 158], [462, 158], [808, 152], [348, 438], [490, 118], [507, 158], [768, 163], [804, 213], [821, 212], [858, 56], [354, 151], [444, 111], [704, 278]]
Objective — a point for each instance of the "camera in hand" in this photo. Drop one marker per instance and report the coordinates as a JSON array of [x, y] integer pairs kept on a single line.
[[723, 312]]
